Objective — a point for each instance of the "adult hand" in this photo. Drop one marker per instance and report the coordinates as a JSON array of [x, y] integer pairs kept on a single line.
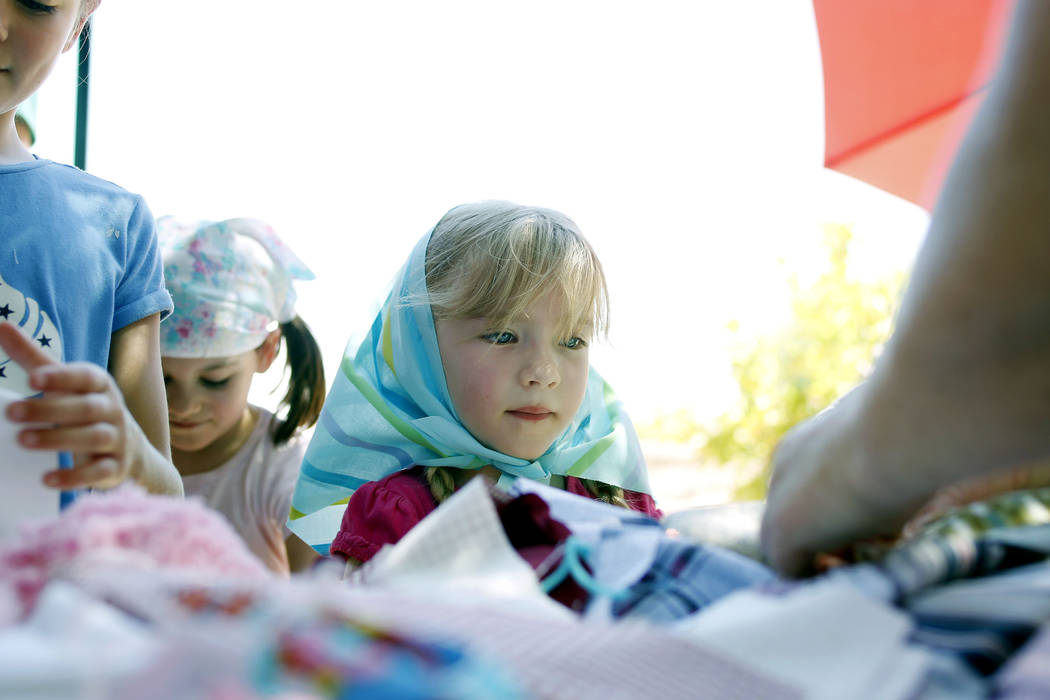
[[828, 491], [85, 412]]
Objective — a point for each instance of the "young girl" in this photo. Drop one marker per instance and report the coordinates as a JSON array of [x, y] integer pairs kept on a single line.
[[477, 364], [81, 287], [232, 283]]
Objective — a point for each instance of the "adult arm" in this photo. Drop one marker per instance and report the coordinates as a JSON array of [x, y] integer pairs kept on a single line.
[[963, 386]]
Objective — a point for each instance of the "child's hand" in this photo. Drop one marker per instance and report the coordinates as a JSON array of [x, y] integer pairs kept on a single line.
[[86, 409]]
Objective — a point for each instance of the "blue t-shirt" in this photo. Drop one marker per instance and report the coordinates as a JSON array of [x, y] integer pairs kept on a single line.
[[78, 261]]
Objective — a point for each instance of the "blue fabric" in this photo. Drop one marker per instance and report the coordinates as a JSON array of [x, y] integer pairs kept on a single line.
[[685, 578], [972, 593], [1027, 675], [78, 260]]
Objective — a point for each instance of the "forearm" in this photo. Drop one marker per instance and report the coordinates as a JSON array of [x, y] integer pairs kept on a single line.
[[966, 376], [135, 365], [153, 470], [300, 555]]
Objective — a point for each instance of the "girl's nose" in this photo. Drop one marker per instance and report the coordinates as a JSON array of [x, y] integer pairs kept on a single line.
[[540, 369], [180, 402]]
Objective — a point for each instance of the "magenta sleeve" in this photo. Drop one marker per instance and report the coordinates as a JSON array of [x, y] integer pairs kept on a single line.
[[381, 512]]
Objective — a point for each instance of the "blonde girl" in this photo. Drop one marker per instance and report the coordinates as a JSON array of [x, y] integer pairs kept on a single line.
[[478, 363]]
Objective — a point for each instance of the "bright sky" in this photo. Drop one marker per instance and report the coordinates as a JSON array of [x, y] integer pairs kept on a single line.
[[684, 138]]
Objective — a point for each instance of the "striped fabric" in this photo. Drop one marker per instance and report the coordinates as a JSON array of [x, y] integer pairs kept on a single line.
[[976, 581], [956, 545], [389, 409]]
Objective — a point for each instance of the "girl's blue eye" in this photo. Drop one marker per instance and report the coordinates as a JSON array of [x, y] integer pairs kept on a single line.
[[215, 383], [575, 342], [499, 337]]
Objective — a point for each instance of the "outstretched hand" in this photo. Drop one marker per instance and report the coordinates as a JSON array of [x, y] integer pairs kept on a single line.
[[85, 411], [827, 491]]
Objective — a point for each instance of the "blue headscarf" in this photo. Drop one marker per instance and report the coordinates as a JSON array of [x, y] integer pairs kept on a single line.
[[389, 409]]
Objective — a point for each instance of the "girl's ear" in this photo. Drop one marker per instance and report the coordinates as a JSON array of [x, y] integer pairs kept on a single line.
[[72, 40], [85, 12], [266, 353]]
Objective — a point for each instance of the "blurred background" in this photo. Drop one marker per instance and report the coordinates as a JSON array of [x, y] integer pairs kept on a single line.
[[750, 284]]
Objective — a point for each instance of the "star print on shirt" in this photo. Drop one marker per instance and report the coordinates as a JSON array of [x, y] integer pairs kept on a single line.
[[44, 341], [3, 372], [5, 311]]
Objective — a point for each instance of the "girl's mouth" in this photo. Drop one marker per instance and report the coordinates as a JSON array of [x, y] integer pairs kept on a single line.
[[531, 413]]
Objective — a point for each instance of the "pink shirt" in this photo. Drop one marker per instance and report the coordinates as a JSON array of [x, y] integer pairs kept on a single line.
[[381, 512]]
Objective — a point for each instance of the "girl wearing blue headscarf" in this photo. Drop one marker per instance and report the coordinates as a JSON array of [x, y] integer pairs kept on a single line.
[[477, 363]]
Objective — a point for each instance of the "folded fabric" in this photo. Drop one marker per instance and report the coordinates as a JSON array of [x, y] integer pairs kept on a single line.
[[125, 528], [1027, 675]]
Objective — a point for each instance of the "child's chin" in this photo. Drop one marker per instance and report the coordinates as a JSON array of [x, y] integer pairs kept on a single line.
[[188, 444]]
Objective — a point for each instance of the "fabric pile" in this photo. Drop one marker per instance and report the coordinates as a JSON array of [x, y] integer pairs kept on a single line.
[[532, 592], [960, 609]]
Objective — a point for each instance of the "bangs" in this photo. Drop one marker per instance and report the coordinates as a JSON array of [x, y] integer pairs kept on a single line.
[[494, 268]]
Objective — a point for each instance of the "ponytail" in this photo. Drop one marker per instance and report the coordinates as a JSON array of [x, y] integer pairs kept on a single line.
[[441, 483], [607, 493], [306, 385]]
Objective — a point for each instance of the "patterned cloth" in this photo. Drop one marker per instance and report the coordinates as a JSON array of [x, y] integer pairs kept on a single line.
[[230, 280], [974, 581], [389, 409], [685, 578]]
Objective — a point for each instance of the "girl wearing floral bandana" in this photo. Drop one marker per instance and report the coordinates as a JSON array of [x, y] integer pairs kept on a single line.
[[232, 284]]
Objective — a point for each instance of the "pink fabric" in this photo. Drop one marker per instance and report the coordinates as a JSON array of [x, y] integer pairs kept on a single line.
[[124, 527], [381, 512]]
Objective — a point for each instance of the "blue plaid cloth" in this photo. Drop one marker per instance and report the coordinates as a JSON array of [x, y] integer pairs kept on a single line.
[[685, 578]]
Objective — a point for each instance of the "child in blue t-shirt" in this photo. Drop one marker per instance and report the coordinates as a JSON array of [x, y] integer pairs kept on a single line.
[[81, 289]]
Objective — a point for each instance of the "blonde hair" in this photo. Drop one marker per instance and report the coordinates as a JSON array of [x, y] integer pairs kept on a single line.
[[494, 259]]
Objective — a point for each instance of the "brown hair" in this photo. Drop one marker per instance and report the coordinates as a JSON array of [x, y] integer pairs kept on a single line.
[[306, 386]]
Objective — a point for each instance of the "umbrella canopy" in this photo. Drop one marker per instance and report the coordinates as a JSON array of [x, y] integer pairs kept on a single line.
[[902, 79]]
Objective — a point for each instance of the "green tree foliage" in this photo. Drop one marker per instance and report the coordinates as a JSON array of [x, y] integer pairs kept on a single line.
[[838, 325]]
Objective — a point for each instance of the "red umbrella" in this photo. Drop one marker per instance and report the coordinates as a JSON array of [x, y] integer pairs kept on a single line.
[[902, 79]]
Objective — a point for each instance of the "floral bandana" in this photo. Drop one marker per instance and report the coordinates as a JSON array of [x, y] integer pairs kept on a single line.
[[230, 280], [389, 409]]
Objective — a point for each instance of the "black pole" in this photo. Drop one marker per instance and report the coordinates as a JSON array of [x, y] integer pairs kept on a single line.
[[83, 83]]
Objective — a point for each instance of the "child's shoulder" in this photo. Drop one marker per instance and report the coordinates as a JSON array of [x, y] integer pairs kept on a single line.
[[76, 177], [55, 176]]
